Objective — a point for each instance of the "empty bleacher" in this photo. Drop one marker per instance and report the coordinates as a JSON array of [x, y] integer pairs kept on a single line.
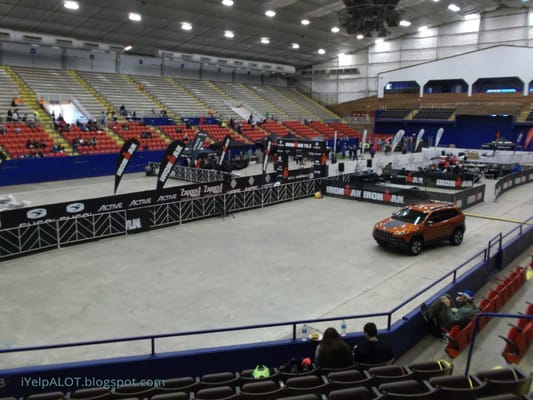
[[345, 130], [7, 94], [395, 113], [250, 99], [52, 81], [317, 111], [434, 113], [290, 108], [175, 98], [217, 100], [117, 90], [217, 133], [302, 130], [275, 128]]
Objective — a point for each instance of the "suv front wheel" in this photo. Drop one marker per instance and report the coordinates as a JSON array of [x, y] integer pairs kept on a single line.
[[457, 237], [416, 246]]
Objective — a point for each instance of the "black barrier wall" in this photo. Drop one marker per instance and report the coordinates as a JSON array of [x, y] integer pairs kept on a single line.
[[511, 181], [50, 226]]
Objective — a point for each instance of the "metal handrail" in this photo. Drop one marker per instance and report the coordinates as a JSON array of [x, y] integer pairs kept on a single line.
[[475, 331]]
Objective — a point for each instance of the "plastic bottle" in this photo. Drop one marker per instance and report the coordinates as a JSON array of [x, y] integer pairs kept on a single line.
[[304, 333], [343, 328]]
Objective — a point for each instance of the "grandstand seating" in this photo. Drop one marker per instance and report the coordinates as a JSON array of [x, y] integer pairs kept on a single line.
[[217, 133], [434, 113], [174, 97], [519, 338], [256, 104], [395, 113], [59, 82], [17, 144], [274, 128], [459, 338], [178, 132], [104, 143], [345, 130], [325, 130], [128, 130], [313, 110], [289, 107], [302, 130], [117, 90], [8, 93], [253, 132], [217, 101], [348, 384]]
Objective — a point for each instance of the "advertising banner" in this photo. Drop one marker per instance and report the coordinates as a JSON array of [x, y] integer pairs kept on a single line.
[[439, 136], [168, 161], [419, 139], [126, 153], [225, 147], [397, 138]]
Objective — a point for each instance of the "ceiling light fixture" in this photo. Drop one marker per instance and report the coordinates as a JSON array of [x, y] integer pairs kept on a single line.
[[305, 22], [71, 5], [405, 23], [295, 46], [265, 40], [134, 17], [229, 34], [186, 26], [335, 29], [454, 8], [227, 3], [422, 28], [270, 13], [341, 55], [379, 40], [128, 48], [359, 37], [321, 51], [470, 17]]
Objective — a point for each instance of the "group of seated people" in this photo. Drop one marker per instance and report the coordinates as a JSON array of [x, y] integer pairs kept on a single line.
[[83, 142], [333, 352]]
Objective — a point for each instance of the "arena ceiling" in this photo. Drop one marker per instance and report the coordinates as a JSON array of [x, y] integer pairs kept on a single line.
[[106, 21]]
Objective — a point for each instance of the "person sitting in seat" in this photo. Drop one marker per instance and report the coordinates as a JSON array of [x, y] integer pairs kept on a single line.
[[371, 350], [333, 351], [444, 313]]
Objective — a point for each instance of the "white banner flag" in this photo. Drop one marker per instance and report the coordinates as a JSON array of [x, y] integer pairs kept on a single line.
[[363, 141], [419, 139], [439, 136], [397, 138]]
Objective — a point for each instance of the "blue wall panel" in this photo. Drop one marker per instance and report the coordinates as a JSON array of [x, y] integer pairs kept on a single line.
[[32, 170]]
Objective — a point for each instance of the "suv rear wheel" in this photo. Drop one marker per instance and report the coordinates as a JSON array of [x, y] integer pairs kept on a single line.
[[457, 237], [416, 246]]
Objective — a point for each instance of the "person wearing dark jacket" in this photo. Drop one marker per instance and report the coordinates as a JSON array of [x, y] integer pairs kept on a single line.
[[333, 351], [372, 350]]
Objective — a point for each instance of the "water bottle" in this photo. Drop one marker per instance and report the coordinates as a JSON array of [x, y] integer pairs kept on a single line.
[[304, 333], [343, 328]]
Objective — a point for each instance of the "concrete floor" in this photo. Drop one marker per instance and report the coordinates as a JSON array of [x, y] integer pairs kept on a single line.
[[300, 260]]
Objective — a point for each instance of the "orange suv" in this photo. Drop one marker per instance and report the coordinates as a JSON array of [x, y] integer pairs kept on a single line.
[[417, 225]]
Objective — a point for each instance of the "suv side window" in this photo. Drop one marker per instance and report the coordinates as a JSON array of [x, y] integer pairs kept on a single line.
[[451, 213], [438, 216]]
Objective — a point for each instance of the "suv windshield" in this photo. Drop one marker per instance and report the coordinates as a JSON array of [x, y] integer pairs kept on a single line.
[[410, 216]]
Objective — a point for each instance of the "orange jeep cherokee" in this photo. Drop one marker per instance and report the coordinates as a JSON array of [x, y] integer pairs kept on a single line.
[[417, 225]]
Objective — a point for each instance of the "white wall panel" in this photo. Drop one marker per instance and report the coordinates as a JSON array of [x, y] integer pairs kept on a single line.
[[444, 52], [503, 36], [417, 55], [385, 57], [462, 27], [140, 65], [419, 43], [26, 55], [458, 40], [182, 69], [83, 60], [504, 21]]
